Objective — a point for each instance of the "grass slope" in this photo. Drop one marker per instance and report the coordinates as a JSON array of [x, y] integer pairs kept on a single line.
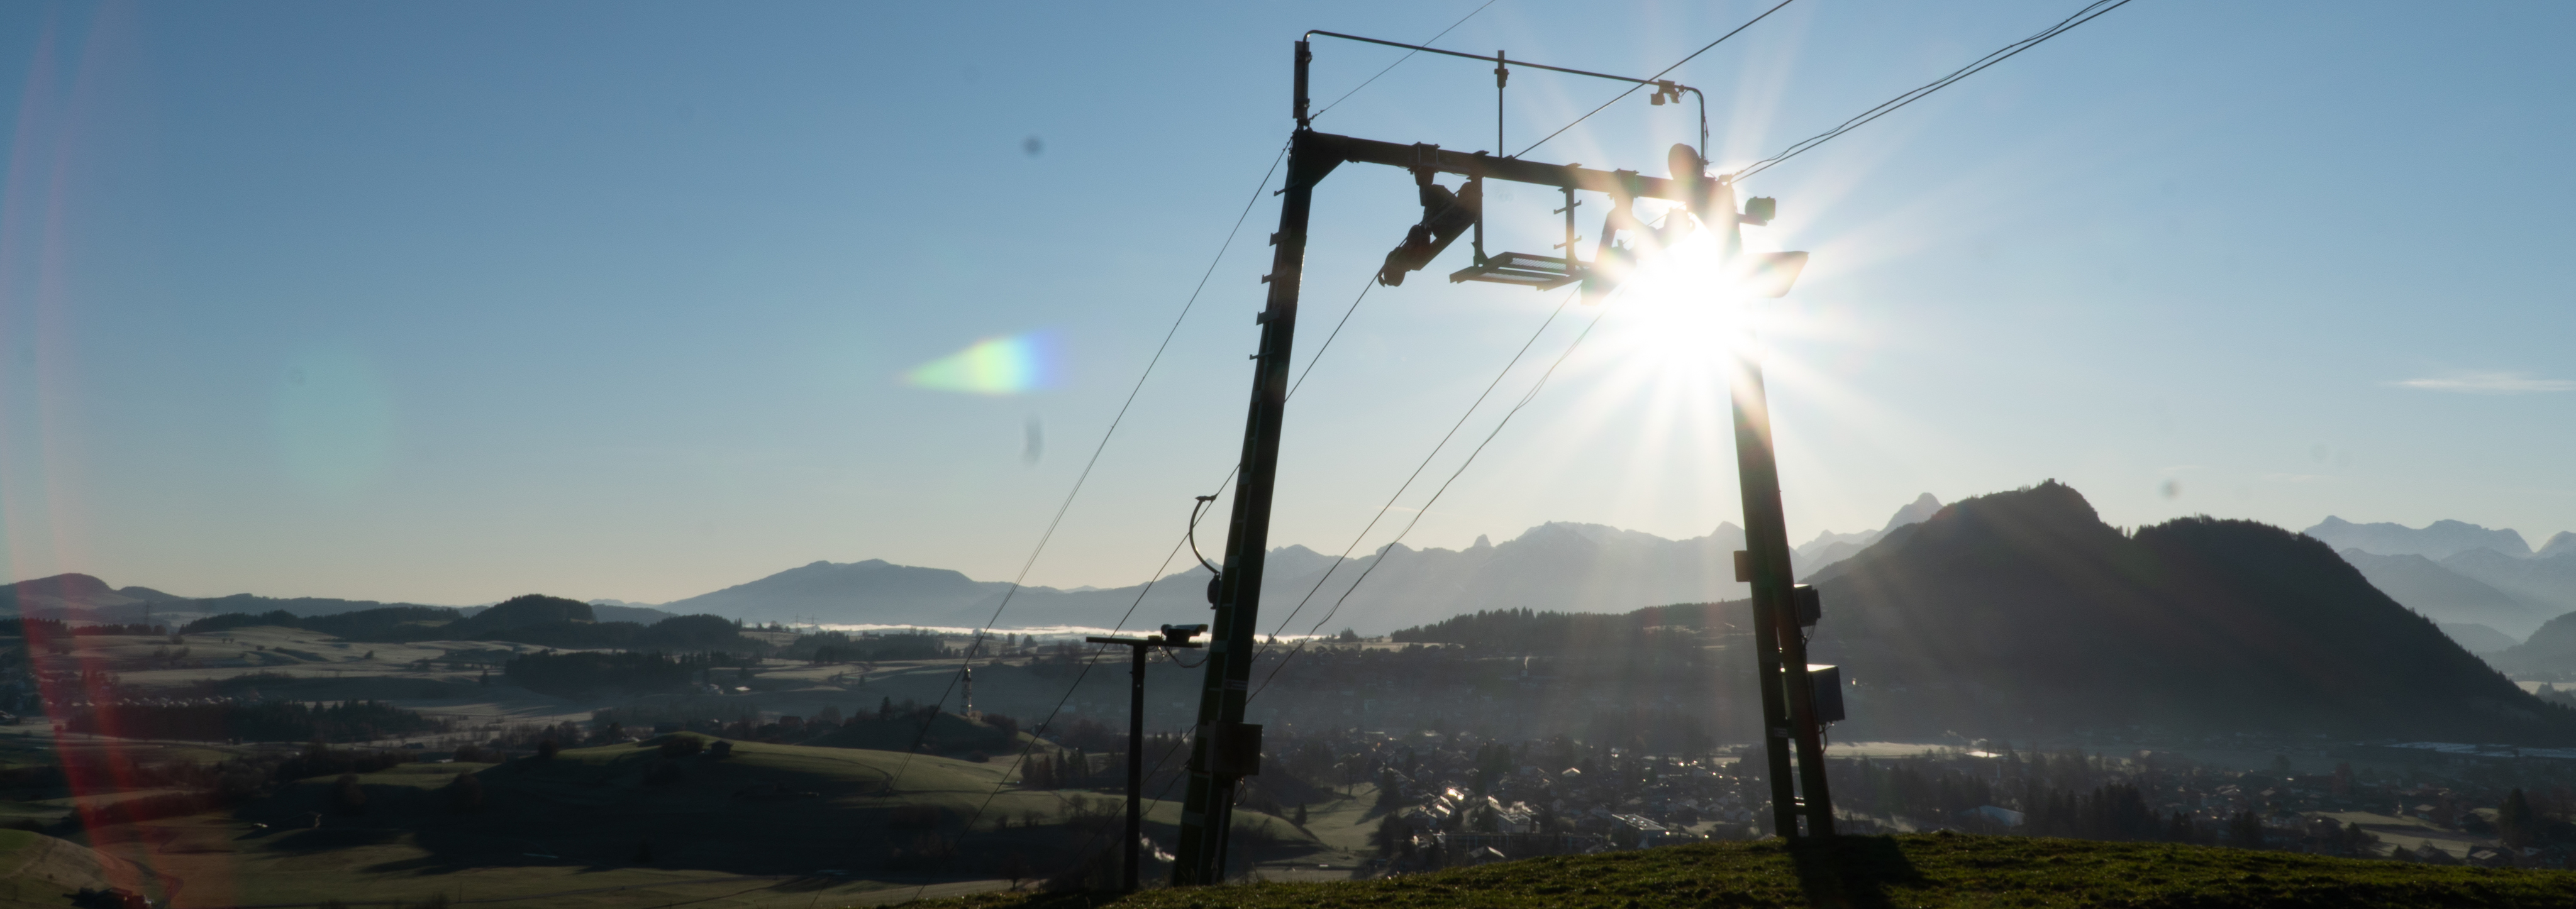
[[767, 809], [771, 826], [40, 870], [1911, 870], [764, 810]]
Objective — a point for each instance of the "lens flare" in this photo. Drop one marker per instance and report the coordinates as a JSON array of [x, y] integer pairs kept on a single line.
[[993, 366]]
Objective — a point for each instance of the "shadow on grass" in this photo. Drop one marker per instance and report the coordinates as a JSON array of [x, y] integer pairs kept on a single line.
[[1851, 871], [320, 839], [811, 883], [1079, 899]]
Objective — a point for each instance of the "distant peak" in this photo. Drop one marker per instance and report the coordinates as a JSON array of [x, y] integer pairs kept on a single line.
[[2437, 540], [1918, 511], [2049, 503], [1596, 533], [1483, 543]]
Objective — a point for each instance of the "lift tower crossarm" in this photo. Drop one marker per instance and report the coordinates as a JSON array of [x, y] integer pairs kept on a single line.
[[1432, 157]]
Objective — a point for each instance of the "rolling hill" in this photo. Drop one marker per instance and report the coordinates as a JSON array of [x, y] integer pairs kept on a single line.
[[760, 809], [80, 597]]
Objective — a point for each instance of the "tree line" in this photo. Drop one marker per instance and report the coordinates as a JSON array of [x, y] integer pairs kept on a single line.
[[253, 721]]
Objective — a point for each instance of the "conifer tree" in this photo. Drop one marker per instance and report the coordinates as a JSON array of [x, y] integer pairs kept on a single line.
[[2515, 823], [2245, 831]]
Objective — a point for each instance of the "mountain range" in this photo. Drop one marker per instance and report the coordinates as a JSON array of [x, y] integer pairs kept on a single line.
[[2483, 587], [1556, 566], [2488, 588]]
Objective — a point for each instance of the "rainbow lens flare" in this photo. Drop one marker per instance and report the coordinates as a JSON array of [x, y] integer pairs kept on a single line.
[[993, 366]]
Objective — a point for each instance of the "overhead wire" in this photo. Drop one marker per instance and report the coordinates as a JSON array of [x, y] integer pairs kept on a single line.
[[1020, 581], [1145, 804], [1099, 650], [1399, 61], [1605, 105], [1418, 468], [1506, 421], [2088, 13], [1038, 733], [1132, 606]]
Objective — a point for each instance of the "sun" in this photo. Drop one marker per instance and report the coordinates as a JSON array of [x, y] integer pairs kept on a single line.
[[1678, 318]]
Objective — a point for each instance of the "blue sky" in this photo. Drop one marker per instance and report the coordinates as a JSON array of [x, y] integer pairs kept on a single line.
[[450, 302]]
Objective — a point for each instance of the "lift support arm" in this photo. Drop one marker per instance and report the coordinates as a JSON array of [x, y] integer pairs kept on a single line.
[[1432, 157]]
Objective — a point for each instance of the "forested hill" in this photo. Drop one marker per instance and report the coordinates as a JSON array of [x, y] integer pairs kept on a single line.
[[2021, 612], [2023, 608], [530, 619], [1536, 633]]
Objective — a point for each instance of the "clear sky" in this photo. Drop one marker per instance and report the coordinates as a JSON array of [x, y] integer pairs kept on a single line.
[[450, 302]]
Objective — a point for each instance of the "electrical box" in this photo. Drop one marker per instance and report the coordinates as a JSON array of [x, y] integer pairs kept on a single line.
[[1828, 684], [1810, 605], [1234, 749]]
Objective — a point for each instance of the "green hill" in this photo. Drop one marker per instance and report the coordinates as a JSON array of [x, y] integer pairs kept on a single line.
[[763, 809], [40, 870], [1915, 870], [758, 810]]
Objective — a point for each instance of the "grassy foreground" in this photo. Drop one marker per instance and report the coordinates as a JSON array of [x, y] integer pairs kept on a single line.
[[1911, 870]]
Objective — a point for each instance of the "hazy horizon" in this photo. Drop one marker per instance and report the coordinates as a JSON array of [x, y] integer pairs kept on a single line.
[[637, 302], [1175, 568]]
